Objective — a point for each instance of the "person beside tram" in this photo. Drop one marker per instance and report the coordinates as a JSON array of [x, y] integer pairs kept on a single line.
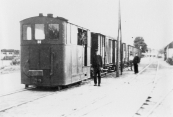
[[97, 67], [136, 60]]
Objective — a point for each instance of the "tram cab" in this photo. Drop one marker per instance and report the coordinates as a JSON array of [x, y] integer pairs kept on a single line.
[[54, 52]]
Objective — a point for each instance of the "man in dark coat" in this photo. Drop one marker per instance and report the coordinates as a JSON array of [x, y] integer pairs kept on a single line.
[[97, 66], [131, 62], [136, 60]]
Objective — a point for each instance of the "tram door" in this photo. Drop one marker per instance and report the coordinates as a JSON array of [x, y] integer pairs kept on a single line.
[[39, 57]]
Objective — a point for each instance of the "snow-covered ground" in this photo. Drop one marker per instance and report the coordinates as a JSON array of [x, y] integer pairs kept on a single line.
[[163, 93], [4, 63], [10, 82], [115, 97]]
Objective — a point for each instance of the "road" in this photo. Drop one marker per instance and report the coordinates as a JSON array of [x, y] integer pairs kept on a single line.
[[10, 82], [119, 97], [163, 92]]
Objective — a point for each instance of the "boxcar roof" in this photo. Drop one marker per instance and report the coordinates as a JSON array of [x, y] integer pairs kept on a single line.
[[104, 35]]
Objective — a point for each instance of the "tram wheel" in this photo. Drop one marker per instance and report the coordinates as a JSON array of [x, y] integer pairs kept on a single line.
[[79, 83], [26, 86]]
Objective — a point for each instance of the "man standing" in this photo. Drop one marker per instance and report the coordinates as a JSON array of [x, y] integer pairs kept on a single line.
[[136, 60], [97, 66]]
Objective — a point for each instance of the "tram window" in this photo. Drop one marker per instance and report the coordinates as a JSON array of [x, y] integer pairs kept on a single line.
[[53, 30], [82, 37], [39, 32], [27, 32]]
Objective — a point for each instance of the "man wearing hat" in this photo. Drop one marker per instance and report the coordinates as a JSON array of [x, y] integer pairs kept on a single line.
[[97, 66], [136, 60]]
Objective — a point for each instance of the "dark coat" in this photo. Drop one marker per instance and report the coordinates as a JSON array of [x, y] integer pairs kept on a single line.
[[97, 61], [136, 60]]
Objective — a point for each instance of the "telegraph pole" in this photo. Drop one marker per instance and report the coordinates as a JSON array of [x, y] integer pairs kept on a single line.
[[121, 50], [121, 45], [119, 30], [117, 57]]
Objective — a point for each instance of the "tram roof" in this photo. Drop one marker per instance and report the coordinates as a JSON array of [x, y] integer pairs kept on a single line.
[[50, 16]]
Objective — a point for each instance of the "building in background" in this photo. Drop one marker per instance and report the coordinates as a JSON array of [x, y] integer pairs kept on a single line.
[[168, 51], [151, 52], [9, 54]]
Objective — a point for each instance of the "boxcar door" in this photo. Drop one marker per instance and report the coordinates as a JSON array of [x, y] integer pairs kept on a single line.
[[80, 59]]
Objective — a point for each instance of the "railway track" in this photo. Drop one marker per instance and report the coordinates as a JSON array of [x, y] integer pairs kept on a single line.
[[158, 103], [17, 91], [142, 109], [109, 99], [20, 97], [157, 95]]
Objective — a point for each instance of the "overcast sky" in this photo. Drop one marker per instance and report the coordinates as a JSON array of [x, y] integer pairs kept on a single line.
[[150, 19]]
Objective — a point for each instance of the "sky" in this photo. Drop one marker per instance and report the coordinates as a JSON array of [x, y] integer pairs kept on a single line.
[[150, 19]]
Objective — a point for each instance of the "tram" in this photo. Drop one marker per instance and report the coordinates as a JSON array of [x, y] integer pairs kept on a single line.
[[56, 53]]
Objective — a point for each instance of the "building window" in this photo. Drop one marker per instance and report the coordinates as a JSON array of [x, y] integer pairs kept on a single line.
[[39, 32], [27, 32], [53, 31]]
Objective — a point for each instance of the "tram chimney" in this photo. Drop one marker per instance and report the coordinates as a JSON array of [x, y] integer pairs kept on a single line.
[[50, 15], [40, 14]]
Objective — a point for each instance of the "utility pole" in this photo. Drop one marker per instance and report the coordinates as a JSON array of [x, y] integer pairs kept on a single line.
[[117, 57], [121, 51], [121, 45], [119, 35]]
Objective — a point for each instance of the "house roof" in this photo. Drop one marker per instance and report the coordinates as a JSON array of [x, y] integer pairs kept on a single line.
[[10, 50], [170, 45], [7, 50]]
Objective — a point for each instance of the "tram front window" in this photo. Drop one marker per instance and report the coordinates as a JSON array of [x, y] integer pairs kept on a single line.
[[53, 30], [39, 32], [27, 32]]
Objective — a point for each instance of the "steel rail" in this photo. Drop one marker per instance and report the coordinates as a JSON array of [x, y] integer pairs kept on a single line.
[[158, 103], [152, 89], [141, 71], [55, 92], [17, 91], [25, 102], [29, 88]]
